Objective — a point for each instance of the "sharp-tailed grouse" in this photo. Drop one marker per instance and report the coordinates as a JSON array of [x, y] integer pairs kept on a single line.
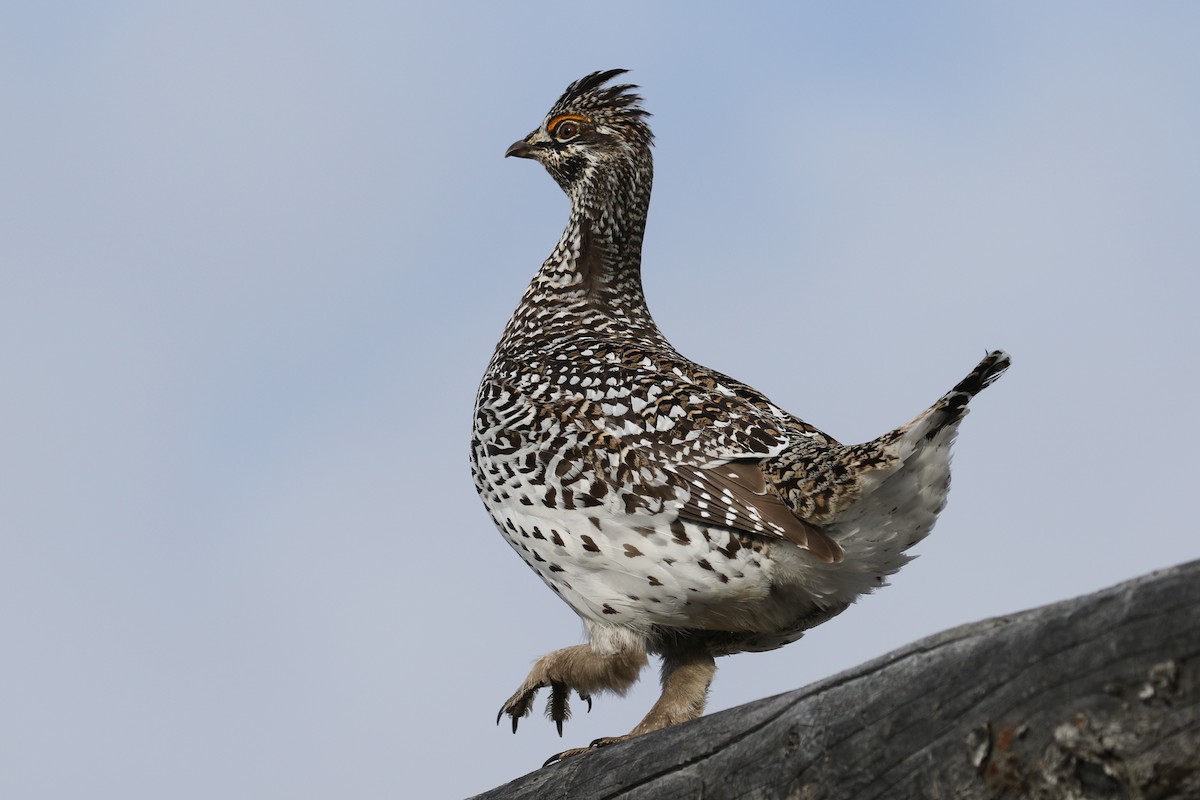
[[677, 511]]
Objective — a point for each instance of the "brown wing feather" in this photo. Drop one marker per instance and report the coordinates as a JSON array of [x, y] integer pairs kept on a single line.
[[736, 495]]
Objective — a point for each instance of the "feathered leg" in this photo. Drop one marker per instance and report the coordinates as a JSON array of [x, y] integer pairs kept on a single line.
[[581, 669], [686, 676]]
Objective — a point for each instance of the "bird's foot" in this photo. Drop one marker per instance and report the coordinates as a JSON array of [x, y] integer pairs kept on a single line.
[[578, 669], [558, 707], [603, 741]]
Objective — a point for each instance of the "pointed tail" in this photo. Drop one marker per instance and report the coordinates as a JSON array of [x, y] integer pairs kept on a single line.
[[953, 405]]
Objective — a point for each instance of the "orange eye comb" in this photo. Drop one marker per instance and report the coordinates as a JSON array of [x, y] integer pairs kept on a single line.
[[554, 123]]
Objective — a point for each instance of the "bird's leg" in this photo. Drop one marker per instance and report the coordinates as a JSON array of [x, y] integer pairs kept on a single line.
[[582, 669], [685, 682], [686, 676]]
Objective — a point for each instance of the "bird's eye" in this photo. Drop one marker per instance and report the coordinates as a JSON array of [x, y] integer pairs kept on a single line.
[[566, 130]]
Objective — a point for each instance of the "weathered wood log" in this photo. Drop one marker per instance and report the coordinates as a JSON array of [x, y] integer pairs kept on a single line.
[[1096, 697]]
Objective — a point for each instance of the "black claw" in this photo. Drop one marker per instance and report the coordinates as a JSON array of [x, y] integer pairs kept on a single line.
[[551, 760], [558, 724], [588, 698], [500, 716]]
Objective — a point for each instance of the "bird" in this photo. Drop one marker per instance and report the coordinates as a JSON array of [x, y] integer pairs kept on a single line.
[[679, 512]]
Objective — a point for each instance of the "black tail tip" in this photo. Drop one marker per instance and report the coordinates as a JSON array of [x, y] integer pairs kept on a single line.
[[985, 373]]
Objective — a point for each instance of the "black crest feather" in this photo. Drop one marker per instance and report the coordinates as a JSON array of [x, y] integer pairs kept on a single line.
[[618, 105]]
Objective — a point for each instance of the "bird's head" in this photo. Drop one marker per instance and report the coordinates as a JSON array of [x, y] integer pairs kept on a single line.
[[591, 126]]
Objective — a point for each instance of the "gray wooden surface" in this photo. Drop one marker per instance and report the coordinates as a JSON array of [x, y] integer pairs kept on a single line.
[[1096, 697]]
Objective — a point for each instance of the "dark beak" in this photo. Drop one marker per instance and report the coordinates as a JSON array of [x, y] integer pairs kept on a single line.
[[520, 149]]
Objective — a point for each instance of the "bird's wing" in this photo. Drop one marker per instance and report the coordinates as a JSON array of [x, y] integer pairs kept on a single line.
[[735, 494], [703, 463]]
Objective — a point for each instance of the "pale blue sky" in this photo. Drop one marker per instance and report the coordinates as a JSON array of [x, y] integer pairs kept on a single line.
[[254, 258]]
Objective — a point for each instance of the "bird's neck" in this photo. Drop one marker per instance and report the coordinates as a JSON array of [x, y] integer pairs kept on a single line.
[[592, 281]]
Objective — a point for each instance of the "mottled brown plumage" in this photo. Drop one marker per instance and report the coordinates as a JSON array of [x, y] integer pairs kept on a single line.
[[677, 511]]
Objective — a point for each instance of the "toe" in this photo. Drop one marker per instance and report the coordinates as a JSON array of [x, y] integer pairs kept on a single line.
[[603, 741], [565, 754], [520, 704], [558, 707]]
